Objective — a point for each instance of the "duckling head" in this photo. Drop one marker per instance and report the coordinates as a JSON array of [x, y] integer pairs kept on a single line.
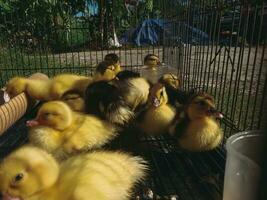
[[127, 74], [54, 114], [151, 60], [105, 71], [74, 99], [170, 80], [114, 60], [202, 105], [158, 95], [16, 86], [25, 172]]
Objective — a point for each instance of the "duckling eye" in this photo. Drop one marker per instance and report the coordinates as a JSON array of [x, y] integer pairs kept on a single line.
[[50, 114], [47, 114], [18, 177], [201, 103]]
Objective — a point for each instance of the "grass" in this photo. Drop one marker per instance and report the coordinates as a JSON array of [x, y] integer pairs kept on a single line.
[[15, 62]]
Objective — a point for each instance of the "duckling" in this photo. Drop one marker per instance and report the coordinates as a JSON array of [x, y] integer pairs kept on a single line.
[[114, 60], [150, 69], [176, 96], [152, 61], [105, 100], [63, 132], [74, 99], [159, 115], [29, 173], [170, 80], [65, 82], [105, 71], [135, 89], [198, 129], [51, 89]]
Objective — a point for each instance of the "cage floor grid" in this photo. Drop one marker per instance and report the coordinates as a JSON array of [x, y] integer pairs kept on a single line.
[[173, 173]]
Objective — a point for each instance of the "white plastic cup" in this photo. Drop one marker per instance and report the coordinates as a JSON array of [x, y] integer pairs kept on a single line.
[[243, 166]]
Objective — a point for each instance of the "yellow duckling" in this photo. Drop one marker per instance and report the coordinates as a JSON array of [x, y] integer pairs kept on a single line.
[[159, 116], [30, 173], [74, 99], [114, 60], [51, 89], [63, 132], [199, 129], [66, 82], [171, 81], [105, 71]]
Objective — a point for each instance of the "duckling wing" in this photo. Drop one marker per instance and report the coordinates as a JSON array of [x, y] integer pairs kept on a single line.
[[48, 139], [92, 133]]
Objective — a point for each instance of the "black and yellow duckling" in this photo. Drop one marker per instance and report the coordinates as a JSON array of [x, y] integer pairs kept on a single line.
[[134, 89], [74, 99], [105, 100], [159, 115], [114, 60], [105, 71], [198, 129]]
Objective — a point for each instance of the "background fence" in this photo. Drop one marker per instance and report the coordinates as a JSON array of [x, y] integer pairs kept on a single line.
[[218, 46]]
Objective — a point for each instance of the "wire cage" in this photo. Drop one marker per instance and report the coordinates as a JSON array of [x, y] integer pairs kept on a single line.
[[217, 46]]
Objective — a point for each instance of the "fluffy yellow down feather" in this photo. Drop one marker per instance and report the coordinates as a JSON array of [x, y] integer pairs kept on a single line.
[[30, 173]]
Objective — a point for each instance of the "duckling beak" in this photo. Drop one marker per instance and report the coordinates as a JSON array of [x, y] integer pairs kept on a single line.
[[32, 123], [116, 78], [8, 197], [156, 102], [215, 113]]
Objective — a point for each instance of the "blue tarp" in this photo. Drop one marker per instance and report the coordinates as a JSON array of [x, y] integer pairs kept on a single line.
[[151, 31]]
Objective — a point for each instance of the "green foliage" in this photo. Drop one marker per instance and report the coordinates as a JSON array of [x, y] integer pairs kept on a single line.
[[37, 21]]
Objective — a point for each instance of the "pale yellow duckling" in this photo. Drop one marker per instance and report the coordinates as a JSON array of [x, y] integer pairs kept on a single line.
[[63, 132], [30, 173], [159, 115], [199, 129], [51, 89]]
